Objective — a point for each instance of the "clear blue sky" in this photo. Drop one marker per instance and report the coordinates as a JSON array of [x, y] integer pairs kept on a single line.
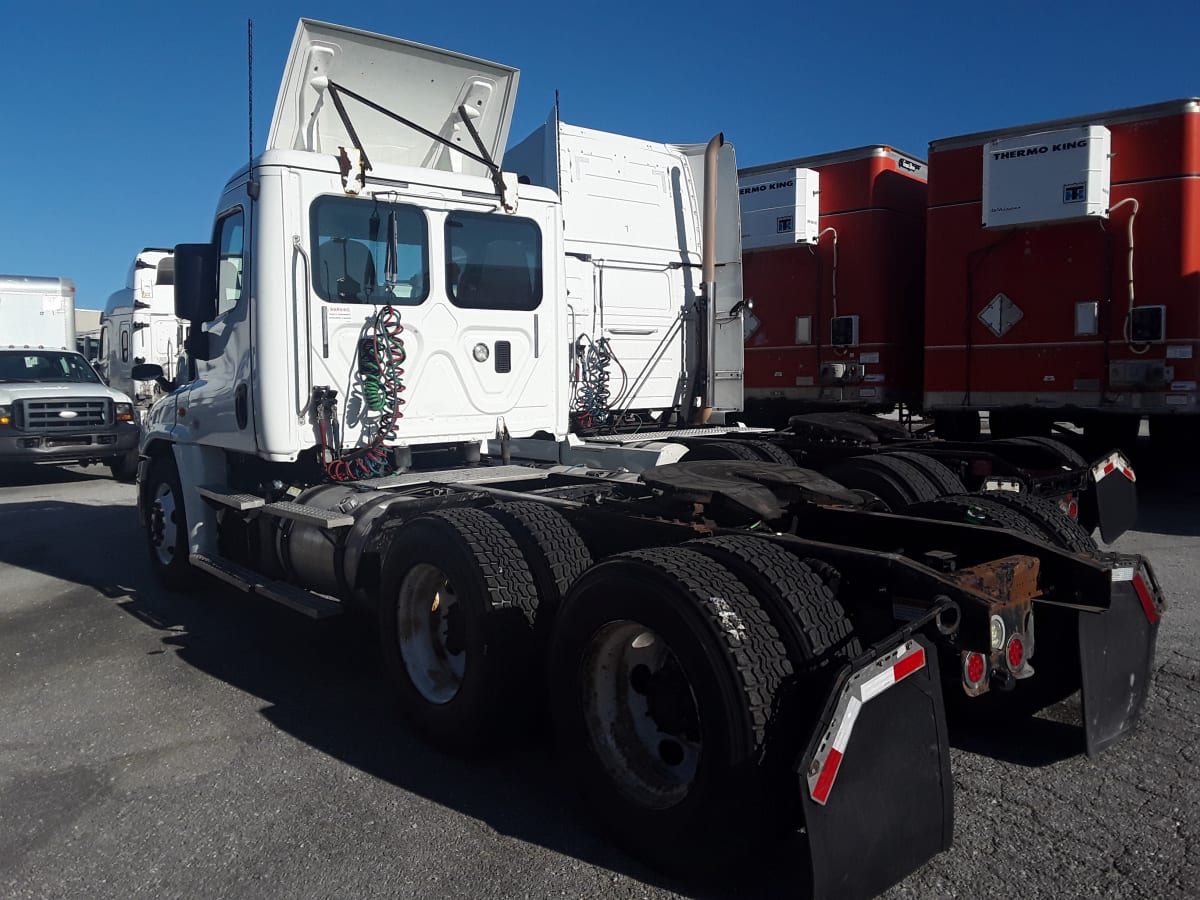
[[123, 120]]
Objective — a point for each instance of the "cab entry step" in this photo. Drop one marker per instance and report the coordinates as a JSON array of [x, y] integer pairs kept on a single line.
[[315, 606], [240, 502]]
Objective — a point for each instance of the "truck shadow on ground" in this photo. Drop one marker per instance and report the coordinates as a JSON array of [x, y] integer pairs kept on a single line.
[[324, 683], [29, 475]]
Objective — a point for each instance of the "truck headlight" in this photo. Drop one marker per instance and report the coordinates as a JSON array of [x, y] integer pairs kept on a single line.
[[5, 415], [124, 412]]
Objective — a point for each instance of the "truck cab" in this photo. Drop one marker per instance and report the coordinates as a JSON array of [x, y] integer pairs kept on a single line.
[[498, 281], [309, 246], [139, 326]]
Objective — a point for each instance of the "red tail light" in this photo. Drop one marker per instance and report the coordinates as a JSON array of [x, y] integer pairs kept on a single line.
[[1016, 653], [975, 669]]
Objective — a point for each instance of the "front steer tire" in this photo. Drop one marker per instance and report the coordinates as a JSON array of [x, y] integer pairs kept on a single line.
[[167, 528]]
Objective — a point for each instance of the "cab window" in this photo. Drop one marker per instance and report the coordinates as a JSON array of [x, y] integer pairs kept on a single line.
[[231, 244], [493, 262], [366, 250]]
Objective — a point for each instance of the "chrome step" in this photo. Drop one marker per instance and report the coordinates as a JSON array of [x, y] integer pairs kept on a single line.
[[240, 502], [315, 606], [309, 515]]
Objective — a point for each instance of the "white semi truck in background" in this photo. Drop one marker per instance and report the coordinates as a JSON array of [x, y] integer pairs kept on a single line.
[[139, 326], [53, 406], [492, 402]]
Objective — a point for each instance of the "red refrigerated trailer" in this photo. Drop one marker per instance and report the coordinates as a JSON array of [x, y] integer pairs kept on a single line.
[[1063, 275], [836, 276]]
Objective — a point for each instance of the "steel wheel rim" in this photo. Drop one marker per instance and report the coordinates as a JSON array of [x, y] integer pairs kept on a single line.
[[641, 714], [164, 532], [428, 630]]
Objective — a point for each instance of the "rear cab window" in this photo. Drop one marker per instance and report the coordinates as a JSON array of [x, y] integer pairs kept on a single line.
[[366, 250], [493, 262]]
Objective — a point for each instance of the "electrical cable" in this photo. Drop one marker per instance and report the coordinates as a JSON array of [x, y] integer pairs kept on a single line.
[[381, 359], [592, 400]]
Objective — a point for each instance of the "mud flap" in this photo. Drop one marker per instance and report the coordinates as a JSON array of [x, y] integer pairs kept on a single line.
[[1115, 496], [882, 805], [1116, 652]]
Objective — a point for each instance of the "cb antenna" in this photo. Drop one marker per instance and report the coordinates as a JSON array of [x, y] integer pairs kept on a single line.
[[251, 185]]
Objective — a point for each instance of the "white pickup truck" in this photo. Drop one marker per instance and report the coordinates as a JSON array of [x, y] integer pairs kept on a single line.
[[53, 406]]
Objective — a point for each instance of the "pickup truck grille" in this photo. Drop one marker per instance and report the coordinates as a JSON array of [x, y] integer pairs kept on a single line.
[[60, 415]]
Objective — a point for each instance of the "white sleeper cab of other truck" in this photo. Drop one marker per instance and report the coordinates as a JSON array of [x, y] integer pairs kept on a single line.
[[382, 349]]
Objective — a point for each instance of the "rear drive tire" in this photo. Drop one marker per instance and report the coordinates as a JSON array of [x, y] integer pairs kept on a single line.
[[1062, 530], [166, 527], [772, 452], [1068, 456], [896, 482], [811, 622], [1030, 516], [456, 612], [941, 476], [553, 550], [663, 672], [721, 450]]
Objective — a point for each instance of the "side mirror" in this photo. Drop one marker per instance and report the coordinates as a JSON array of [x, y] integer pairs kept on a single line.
[[147, 372], [196, 282], [198, 344]]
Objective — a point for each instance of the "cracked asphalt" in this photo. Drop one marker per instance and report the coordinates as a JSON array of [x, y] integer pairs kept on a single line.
[[218, 746]]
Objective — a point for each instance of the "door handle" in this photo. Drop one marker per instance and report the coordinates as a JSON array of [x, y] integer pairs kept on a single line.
[[241, 406]]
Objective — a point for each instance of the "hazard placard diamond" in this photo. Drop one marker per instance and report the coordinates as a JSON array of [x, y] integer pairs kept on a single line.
[[1000, 315]]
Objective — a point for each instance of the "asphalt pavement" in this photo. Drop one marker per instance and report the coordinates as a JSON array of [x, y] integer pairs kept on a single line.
[[216, 745]]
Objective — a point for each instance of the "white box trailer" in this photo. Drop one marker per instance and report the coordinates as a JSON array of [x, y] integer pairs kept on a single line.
[[37, 312]]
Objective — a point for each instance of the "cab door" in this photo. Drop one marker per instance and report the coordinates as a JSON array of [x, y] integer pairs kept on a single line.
[[217, 406]]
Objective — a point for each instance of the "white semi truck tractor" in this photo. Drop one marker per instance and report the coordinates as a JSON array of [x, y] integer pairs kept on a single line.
[[473, 397], [139, 326]]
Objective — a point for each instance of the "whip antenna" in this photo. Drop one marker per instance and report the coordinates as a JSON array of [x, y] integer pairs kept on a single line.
[[252, 185]]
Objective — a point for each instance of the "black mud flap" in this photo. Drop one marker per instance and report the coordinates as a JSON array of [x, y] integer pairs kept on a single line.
[[1116, 654], [1115, 496], [882, 806]]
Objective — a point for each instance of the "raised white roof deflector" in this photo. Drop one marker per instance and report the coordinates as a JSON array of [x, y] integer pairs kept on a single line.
[[423, 84]]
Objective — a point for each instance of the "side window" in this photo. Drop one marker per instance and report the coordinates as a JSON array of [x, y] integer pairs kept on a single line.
[[124, 344], [365, 250], [493, 262], [231, 244], [104, 348]]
